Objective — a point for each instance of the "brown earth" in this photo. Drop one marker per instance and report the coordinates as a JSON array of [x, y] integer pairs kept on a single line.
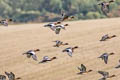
[[16, 39]]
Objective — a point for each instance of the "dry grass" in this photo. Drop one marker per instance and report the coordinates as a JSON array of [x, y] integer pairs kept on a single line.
[[16, 39]]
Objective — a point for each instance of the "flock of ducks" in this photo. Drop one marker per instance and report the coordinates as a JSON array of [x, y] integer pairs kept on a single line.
[[10, 75], [56, 27]]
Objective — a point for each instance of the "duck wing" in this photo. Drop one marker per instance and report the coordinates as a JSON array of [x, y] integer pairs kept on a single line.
[[34, 57], [57, 31], [105, 36], [70, 54], [83, 68], [105, 59], [104, 74]]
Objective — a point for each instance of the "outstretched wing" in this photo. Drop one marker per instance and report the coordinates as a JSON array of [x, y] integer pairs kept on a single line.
[[83, 68], [34, 57], [104, 74], [57, 31], [69, 53], [105, 59]]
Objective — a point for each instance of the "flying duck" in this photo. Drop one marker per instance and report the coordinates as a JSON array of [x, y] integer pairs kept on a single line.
[[59, 43], [105, 75], [70, 50], [65, 16], [83, 69], [2, 77], [52, 26], [32, 53], [46, 59], [118, 66], [59, 27], [62, 26], [105, 37], [5, 22], [11, 76], [105, 6], [104, 56]]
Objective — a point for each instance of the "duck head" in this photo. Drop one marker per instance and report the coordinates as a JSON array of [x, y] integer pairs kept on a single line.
[[114, 36], [111, 53], [66, 25], [76, 47], [66, 44], [37, 50]]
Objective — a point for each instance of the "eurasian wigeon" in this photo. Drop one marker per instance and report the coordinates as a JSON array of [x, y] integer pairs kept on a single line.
[[59, 43], [105, 74], [82, 69], [70, 50], [46, 59], [105, 37], [105, 56], [32, 53]]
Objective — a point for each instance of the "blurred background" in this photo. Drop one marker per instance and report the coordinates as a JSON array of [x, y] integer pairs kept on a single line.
[[50, 10]]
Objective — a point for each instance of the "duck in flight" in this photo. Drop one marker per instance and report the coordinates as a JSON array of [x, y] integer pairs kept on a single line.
[[46, 59], [105, 6], [105, 75], [105, 56], [82, 69], [59, 43], [65, 16], [58, 28], [52, 26], [11, 76], [105, 37], [32, 53], [70, 50], [5, 22]]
